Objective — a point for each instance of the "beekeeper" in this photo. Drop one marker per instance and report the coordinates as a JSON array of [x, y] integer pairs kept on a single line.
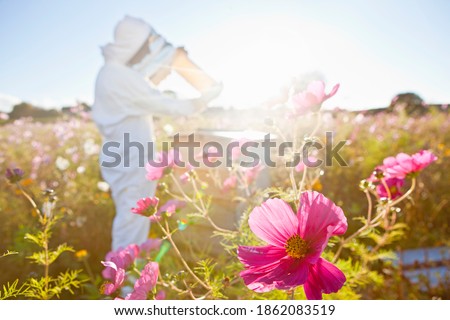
[[125, 103]]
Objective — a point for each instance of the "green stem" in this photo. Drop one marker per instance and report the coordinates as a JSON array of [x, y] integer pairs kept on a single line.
[[29, 198], [180, 256], [373, 223], [89, 271], [388, 191]]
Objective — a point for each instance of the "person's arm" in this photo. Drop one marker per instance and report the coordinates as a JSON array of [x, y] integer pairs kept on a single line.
[[146, 100], [191, 72]]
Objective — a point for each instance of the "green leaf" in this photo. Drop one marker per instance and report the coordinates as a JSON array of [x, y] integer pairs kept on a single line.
[[13, 290], [53, 255], [38, 257], [37, 239], [8, 253]]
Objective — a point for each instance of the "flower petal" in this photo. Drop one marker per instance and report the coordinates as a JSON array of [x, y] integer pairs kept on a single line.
[[109, 264], [260, 256], [317, 214], [317, 88], [422, 159], [319, 219], [294, 273], [406, 162], [332, 92], [251, 281], [324, 277], [153, 173], [389, 162], [283, 275], [274, 222]]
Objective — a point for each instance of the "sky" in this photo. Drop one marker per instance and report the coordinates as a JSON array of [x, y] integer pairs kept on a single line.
[[50, 50]]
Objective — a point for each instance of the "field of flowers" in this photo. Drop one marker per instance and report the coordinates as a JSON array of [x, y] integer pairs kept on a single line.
[[218, 234]]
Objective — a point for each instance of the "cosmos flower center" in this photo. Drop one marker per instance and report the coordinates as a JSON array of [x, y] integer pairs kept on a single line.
[[296, 247]]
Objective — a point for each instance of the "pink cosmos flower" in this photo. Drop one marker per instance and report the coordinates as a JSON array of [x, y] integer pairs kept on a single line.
[[423, 159], [312, 98], [237, 148], [403, 164], [295, 243], [250, 174], [171, 206], [145, 283], [118, 276], [164, 164], [160, 295], [122, 258], [229, 183], [301, 166], [148, 246], [394, 185], [186, 176], [211, 154], [147, 207]]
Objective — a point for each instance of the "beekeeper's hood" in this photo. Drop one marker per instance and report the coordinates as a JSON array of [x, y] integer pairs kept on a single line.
[[129, 36]]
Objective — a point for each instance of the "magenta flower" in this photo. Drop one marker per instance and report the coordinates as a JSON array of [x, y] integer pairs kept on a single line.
[[160, 295], [117, 275], [403, 164], [166, 161], [312, 98], [394, 185], [122, 258], [147, 207], [171, 206], [423, 159], [145, 283], [295, 243]]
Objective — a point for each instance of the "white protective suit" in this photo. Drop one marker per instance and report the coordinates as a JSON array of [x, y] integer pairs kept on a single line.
[[125, 103]]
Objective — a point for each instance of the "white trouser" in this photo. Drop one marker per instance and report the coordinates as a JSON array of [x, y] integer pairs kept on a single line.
[[128, 185], [129, 227]]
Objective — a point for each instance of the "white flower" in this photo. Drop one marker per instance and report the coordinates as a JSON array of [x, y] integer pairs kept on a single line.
[[71, 150], [47, 208], [168, 129], [103, 186], [62, 163], [81, 169], [90, 147]]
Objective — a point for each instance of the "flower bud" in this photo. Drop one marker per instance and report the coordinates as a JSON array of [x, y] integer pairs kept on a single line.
[[378, 173], [162, 186], [14, 175], [364, 185]]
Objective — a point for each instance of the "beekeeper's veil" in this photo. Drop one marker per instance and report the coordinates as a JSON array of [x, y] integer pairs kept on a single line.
[[161, 56]]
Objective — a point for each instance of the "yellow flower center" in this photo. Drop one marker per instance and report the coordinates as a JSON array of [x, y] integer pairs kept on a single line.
[[296, 247]]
